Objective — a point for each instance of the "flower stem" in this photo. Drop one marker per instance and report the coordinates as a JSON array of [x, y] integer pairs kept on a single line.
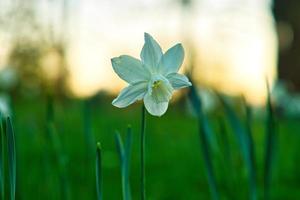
[[143, 180]]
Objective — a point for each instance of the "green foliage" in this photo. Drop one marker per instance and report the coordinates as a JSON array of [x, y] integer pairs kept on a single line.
[[174, 169], [206, 135], [270, 146], [244, 139], [56, 151], [2, 142], [252, 168], [124, 152], [88, 133], [99, 171], [10, 139]]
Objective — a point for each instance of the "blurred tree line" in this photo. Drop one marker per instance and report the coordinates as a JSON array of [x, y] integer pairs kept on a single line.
[[37, 58], [36, 61], [287, 16]]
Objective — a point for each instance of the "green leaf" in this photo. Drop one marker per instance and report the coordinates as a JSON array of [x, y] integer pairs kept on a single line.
[[57, 150], [124, 155], [271, 134], [207, 141], [11, 157], [99, 171], [197, 106], [244, 142], [60, 158], [2, 142], [252, 168]]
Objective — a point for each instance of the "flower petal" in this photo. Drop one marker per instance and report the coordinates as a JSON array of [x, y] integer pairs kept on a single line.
[[151, 53], [153, 107], [172, 60], [130, 69], [130, 94], [178, 81]]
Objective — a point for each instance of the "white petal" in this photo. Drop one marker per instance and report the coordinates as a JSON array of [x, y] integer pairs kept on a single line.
[[130, 94], [154, 108], [178, 81], [151, 53], [172, 60], [130, 69]]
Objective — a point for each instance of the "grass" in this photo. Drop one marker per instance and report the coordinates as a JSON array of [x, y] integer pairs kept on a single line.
[[175, 169], [204, 134], [2, 150], [98, 171], [124, 151], [11, 159]]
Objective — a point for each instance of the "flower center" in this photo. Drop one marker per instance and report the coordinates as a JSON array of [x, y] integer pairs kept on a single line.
[[156, 84], [161, 89]]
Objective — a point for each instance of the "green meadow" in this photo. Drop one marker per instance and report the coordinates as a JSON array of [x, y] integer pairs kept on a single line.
[[56, 152]]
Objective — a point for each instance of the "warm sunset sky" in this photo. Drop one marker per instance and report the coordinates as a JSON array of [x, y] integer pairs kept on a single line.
[[234, 40]]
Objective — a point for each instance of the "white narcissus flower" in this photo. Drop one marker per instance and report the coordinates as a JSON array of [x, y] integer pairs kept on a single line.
[[153, 78]]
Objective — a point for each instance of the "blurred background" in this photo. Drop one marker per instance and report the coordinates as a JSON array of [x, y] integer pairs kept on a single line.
[[66, 45], [61, 50]]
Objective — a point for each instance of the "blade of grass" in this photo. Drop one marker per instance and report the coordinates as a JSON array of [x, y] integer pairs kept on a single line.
[[128, 146], [249, 131], [60, 157], [99, 171], [121, 153], [11, 149], [225, 140], [2, 178], [204, 134], [244, 144], [228, 160], [124, 155], [270, 143], [198, 108], [60, 160], [49, 152]]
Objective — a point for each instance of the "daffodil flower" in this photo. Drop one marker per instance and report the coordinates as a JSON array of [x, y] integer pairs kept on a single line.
[[153, 78]]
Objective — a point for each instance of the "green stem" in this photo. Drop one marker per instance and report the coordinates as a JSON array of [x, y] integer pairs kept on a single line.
[[143, 180], [99, 172], [2, 150], [271, 138], [11, 149]]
